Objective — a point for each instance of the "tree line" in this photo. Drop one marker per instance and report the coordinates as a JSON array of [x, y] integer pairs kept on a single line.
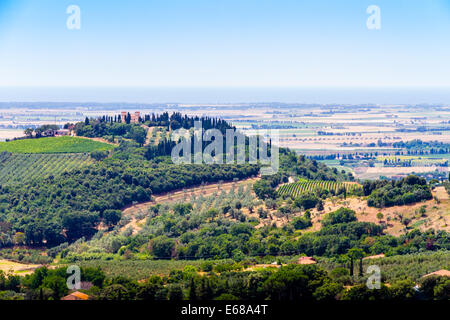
[[287, 283]]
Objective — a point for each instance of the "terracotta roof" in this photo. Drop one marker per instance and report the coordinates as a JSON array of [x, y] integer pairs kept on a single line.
[[442, 273], [76, 296]]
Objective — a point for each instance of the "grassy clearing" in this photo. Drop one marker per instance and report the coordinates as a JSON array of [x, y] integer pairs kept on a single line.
[[54, 145], [17, 268]]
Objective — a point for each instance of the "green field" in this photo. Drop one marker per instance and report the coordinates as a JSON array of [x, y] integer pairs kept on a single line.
[[304, 186], [17, 168], [54, 145]]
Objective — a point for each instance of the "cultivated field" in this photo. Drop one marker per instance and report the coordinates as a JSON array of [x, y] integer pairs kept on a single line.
[[304, 186], [18, 168], [10, 134], [54, 145], [368, 131]]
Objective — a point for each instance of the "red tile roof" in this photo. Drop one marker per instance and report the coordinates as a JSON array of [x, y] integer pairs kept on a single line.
[[76, 296]]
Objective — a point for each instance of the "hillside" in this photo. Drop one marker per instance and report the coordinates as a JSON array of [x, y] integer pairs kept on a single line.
[[53, 201], [397, 220], [126, 208]]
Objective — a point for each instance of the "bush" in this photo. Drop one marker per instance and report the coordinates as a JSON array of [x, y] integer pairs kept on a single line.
[[99, 155], [306, 201], [162, 247], [342, 215], [112, 217], [300, 223], [264, 190], [207, 266]]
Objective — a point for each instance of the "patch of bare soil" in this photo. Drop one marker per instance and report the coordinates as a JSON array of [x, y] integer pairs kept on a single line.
[[441, 193]]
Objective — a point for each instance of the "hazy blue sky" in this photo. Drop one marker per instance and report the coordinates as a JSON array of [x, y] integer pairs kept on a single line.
[[191, 43]]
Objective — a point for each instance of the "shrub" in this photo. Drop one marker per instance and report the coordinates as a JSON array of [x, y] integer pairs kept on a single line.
[[342, 215]]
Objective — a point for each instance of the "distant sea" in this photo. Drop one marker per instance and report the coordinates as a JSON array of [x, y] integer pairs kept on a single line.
[[317, 95]]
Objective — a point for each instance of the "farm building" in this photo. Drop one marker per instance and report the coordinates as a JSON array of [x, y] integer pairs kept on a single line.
[[62, 132], [76, 296], [48, 133], [53, 133], [134, 117]]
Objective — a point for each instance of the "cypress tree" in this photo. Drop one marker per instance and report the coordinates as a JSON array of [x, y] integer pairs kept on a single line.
[[192, 293]]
